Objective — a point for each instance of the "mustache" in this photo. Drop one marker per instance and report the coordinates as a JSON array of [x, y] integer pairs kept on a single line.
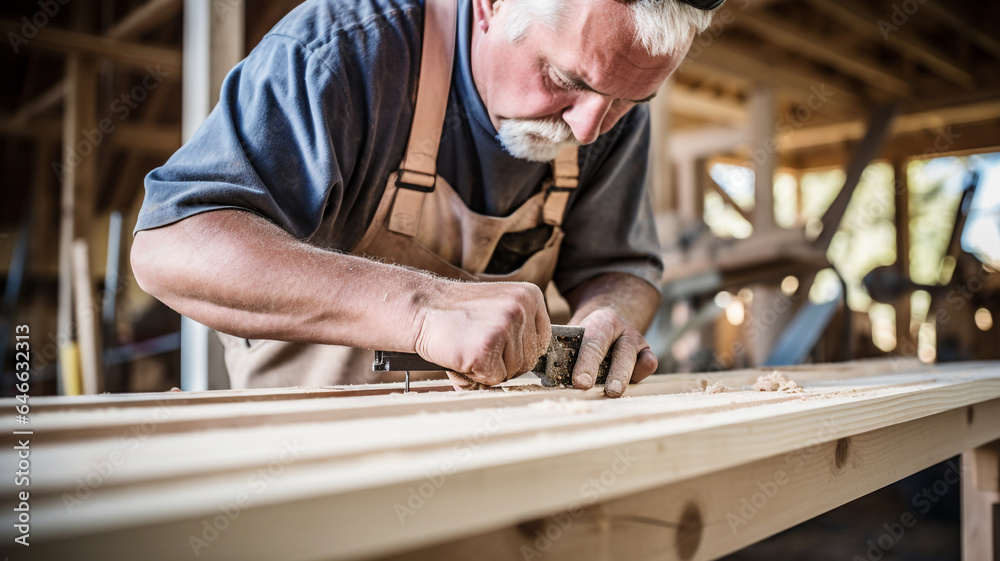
[[555, 131]]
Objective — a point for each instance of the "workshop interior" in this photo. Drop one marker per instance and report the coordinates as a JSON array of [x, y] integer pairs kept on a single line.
[[825, 180]]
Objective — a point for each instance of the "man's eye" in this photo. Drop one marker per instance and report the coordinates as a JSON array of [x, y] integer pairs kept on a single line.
[[559, 82]]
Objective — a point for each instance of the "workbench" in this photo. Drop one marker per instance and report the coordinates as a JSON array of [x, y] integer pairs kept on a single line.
[[671, 471]]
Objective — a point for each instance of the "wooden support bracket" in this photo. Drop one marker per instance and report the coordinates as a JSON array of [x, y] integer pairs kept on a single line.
[[981, 502]]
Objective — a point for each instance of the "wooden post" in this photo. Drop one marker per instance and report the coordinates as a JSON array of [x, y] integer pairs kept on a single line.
[[686, 190], [91, 362], [763, 154], [214, 42], [659, 181], [691, 175], [980, 501], [77, 172], [906, 343]]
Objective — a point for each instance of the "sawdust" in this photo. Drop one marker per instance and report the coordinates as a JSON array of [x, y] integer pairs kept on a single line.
[[717, 387], [563, 406], [776, 382], [524, 388]]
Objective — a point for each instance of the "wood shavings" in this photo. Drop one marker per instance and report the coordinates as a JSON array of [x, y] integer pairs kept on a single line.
[[776, 382], [717, 387], [523, 388]]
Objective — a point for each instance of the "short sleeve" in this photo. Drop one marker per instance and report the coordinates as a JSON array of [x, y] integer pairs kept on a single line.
[[609, 225], [267, 147]]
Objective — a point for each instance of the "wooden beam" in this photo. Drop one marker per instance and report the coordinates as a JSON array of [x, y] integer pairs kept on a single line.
[[42, 129], [864, 153], [133, 54], [144, 19], [151, 138], [965, 25], [705, 106], [728, 200], [803, 84], [763, 155], [863, 21], [78, 173], [906, 344], [690, 190], [125, 181], [724, 512], [907, 123], [958, 140], [42, 103], [660, 179], [357, 462], [709, 141], [800, 41], [87, 308]]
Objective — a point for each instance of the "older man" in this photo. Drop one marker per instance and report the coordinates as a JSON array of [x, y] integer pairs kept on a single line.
[[388, 174]]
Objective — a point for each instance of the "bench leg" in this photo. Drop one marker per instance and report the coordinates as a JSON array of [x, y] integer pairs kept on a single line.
[[981, 503]]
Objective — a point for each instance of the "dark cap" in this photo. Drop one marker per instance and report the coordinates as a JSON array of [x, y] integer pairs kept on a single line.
[[705, 4]]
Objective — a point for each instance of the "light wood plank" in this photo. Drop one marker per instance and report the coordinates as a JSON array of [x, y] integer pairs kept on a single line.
[[532, 451], [740, 506]]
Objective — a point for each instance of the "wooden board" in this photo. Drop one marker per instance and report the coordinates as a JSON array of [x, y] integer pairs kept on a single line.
[[300, 474]]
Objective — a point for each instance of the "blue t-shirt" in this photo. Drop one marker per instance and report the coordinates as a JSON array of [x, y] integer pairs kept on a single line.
[[310, 125]]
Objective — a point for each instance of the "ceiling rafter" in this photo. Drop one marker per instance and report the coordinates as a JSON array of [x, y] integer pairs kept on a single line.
[[860, 19], [825, 50]]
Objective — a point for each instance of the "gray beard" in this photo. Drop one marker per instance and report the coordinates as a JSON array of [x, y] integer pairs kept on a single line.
[[535, 140]]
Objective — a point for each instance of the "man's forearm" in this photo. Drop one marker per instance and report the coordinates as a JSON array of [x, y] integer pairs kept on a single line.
[[632, 298], [240, 274]]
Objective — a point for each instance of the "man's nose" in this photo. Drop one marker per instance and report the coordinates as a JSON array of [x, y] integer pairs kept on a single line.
[[586, 116]]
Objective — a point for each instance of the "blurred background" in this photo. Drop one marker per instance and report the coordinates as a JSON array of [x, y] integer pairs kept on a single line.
[[826, 177]]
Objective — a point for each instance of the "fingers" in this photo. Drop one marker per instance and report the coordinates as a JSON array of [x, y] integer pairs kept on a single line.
[[529, 331], [631, 358], [543, 332], [492, 370], [515, 348], [603, 328], [645, 365], [623, 358], [463, 383], [631, 361]]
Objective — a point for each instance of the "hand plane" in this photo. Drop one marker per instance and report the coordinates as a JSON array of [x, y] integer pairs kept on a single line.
[[554, 368]]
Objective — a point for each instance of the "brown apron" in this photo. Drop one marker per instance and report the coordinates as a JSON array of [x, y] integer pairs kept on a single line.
[[422, 223]]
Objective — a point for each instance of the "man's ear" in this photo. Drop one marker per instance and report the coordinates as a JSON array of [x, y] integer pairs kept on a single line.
[[484, 12]]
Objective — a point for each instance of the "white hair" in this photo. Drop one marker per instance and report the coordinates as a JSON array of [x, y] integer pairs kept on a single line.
[[662, 27]]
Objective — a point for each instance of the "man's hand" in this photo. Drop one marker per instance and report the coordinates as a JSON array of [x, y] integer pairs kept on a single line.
[[614, 308], [487, 332], [631, 358]]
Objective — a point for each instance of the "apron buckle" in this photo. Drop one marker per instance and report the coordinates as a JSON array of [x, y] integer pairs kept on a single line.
[[403, 184]]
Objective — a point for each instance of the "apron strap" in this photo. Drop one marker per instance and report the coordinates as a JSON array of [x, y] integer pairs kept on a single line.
[[418, 171], [565, 174]]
